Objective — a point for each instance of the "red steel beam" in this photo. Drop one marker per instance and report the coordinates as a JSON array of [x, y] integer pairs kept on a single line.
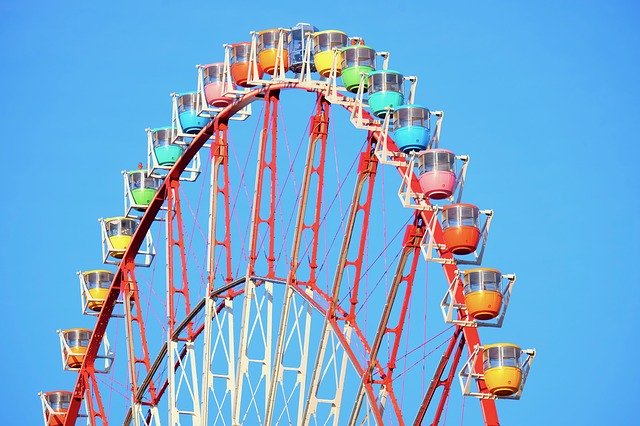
[[134, 320], [175, 240], [319, 129], [410, 255], [266, 161], [219, 154], [412, 240], [446, 383]]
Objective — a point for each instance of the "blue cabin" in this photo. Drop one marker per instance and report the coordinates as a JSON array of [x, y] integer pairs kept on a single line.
[[386, 90], [297, 45], [411, 127], [165, 149], [188, 113]]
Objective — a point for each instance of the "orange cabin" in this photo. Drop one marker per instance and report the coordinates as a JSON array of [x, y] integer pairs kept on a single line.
[[75, 342], [461, 228], [273, 49], [482, 292], [240, 56], [55, 405]]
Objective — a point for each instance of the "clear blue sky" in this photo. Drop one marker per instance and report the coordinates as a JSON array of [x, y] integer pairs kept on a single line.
[[543, 95]]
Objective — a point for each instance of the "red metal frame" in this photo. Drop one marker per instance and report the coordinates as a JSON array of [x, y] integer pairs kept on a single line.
[[439, 381], [134, 320], [175, 240], [219, 154], [266, 161], [93, 399], [318, 130], [411, 253], [124, 279], [367, 168]]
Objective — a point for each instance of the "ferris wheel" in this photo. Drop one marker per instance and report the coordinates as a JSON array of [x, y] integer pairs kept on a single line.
[[256, 279]]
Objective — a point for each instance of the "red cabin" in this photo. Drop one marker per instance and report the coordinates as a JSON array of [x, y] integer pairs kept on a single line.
[[461, 228], [55, 405]]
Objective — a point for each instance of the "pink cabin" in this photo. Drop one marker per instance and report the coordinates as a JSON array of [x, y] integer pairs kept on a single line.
[[214, 85], [437, 173]]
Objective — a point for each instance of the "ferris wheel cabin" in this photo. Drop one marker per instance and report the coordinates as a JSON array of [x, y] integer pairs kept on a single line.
[[190, 122], [386, 90], [240, 56], [55, 406], [503, 366], [437, 173], [95, 287], [297, 45], [482, 295], [273, 49], [119, 232], [324, 43], [142, 188], [165, 150], [214, 85], [411, 127], [461, 228], [74, 346], [356, 60]]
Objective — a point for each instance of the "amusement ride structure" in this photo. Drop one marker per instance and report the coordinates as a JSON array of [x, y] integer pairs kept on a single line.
[[289, 290]]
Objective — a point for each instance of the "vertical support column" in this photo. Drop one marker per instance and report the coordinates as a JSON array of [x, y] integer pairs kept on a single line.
[[410, 255], [266, 164], [318, 130], [175, 241], [219, 188], [412, 240], [437, 381], [182, 377], [138, 355], [446, 383], [367, 168]]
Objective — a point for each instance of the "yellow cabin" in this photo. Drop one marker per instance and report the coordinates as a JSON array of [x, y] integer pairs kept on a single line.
[[119, 232], [502, 368], [482, 292], [74, 346], [95, 286], [326, 51]]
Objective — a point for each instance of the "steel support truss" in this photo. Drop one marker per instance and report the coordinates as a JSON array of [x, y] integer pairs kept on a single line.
[[182, 373], [340, 325], [301, 318], [257, 311]]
